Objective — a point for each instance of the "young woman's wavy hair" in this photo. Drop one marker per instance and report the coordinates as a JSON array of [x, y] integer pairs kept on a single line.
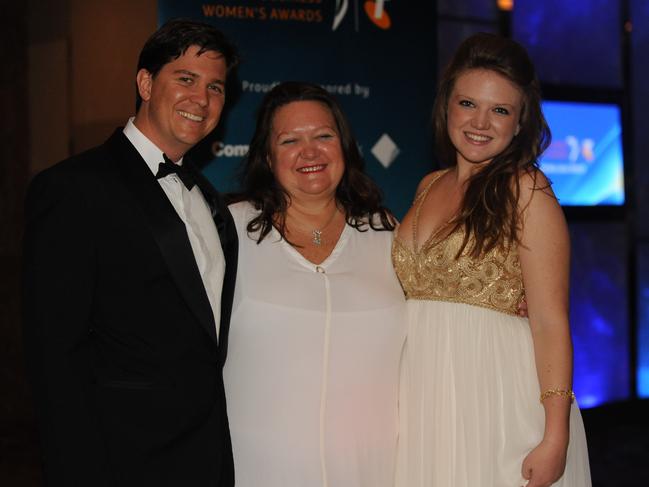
[[489, 210], [357, 195]]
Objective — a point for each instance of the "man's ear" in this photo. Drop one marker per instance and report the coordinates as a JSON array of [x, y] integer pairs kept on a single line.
[[144, 80]]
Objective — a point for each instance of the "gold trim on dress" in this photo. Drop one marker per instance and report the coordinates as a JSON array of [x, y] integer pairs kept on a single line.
[[432, 271]]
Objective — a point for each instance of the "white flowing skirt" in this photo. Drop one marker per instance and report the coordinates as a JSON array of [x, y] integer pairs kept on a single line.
[[470, 410]]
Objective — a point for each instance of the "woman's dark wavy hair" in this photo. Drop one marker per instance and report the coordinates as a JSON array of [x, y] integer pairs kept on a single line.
[[489, 210], [357, 195], [173, 39]]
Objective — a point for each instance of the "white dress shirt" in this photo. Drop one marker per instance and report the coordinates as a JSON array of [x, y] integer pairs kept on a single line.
[[194, 211]]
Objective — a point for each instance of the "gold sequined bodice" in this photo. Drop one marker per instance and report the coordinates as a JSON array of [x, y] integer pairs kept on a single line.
[[432, 272]]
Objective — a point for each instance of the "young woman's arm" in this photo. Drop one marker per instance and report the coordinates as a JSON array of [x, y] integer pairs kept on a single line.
[[545, 261]]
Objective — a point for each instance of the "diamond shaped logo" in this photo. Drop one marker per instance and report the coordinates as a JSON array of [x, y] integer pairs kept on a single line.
[[385, 150]]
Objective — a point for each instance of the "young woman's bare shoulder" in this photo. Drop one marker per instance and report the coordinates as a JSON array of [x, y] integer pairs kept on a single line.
[[535, 187], [534, 181], [423, 184]]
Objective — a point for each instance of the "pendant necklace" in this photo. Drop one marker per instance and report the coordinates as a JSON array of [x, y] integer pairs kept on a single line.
[[317, 233]]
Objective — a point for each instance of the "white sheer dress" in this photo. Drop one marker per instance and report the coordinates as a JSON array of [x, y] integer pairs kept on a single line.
[[313, 362], [470, 410]]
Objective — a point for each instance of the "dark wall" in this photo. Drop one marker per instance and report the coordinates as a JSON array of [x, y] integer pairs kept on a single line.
[[67, 80], [15, 410]]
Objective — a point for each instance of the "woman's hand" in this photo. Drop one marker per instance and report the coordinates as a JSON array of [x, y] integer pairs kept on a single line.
[[522, 308], [545, 262], [545, 464]]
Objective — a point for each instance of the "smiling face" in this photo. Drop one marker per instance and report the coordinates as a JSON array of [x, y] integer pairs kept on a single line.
[[484, 111], [182, 103], [306, 156]]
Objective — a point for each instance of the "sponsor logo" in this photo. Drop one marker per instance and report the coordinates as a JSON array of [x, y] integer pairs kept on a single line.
[[375, 11], [572, 150], [570, 155], [385, 150], [219, 149], [377, 14], [340, 12]]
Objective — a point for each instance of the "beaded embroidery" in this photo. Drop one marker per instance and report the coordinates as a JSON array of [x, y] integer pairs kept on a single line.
[[433, 273]]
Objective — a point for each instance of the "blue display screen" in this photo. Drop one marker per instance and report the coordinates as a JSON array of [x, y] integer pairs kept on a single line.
[[585, 161]]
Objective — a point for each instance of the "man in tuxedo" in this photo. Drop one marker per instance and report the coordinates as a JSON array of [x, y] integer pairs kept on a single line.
[[130, 264]]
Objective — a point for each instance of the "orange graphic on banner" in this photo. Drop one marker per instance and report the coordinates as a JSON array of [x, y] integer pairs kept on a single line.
[[377, 14]]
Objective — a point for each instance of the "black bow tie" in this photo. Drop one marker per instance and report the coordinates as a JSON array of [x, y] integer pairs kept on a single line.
[[185, 174]]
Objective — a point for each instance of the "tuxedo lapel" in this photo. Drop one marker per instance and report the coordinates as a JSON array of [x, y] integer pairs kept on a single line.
[[230, 245], [166, 226]]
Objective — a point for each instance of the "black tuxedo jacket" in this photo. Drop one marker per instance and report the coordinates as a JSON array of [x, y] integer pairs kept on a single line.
[[119, 333]]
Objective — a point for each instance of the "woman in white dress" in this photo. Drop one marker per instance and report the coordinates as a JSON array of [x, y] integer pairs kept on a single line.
[[318, 320], [488, 399]]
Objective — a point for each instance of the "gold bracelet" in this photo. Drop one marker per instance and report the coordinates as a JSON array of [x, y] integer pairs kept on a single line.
[[558, 392]]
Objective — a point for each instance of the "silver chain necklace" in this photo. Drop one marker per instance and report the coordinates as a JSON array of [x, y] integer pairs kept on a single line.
[[317, 233]]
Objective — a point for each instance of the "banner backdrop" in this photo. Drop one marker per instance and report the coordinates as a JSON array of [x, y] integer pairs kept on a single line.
[[376, 57]]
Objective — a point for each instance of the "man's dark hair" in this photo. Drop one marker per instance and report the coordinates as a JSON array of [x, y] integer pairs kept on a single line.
[[173, 39]]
